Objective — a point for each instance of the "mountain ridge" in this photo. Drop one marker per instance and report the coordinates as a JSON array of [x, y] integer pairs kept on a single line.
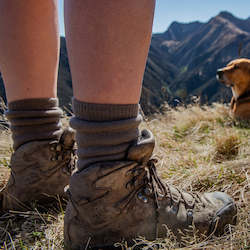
[[200, 53]]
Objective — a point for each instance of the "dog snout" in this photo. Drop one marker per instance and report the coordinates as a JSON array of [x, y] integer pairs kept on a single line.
[[219, 74]]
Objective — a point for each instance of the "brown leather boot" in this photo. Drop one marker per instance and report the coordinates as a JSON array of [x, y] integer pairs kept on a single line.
[[112, 201], [39, 171]]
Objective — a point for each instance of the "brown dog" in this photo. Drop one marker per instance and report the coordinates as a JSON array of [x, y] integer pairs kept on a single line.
[[237, 76]]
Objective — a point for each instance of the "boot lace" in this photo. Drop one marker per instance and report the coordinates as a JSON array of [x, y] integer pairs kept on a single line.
[[153, 186], [64, 154]]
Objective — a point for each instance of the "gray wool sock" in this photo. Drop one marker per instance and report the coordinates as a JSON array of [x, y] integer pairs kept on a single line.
[[34, 119], [104, 131]]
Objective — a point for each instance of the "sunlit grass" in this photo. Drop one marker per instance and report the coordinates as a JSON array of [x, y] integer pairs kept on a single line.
[[198, 149]]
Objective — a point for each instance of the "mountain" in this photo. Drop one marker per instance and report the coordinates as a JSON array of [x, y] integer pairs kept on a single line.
[[64, 85], [182, 62], [199, 49], [179, 31]]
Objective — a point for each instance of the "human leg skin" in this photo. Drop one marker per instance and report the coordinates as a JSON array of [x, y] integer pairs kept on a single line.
[[107, 65], [115, 193], [29, 51], [29, 48]]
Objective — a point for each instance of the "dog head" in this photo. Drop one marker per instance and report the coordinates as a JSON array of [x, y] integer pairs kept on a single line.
[[236, 75]]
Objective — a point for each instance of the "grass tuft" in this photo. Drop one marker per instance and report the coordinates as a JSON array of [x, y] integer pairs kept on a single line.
[[227, 146]]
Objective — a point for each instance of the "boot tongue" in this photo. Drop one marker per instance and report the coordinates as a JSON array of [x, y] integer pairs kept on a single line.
[[142, 150]]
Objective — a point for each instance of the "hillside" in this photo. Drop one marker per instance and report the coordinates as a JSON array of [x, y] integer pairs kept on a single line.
[[199, 49], [198, 148]]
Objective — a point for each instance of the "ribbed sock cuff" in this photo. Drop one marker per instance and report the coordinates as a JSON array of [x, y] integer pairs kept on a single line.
[[34, 119], [104, 112], [33, 104], [104, 132]]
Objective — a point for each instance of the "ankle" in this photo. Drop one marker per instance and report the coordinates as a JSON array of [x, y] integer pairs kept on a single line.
[[34, 119], [104, 132]]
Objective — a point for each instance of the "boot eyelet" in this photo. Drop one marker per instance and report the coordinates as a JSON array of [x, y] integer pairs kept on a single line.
[[148, 191], [140, 196], [189, 212], [143, 198], [189, 216], [174, 209]]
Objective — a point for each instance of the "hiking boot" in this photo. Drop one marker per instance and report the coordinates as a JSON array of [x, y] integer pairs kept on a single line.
[[39, 171], [113, 201]]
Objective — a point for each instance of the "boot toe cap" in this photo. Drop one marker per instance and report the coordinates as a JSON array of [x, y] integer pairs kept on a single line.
[[226, 213]]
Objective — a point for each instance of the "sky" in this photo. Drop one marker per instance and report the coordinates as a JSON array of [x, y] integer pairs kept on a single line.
[[168, 11]]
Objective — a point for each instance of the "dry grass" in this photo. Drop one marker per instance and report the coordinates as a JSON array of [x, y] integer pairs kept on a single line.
[[199, 149]]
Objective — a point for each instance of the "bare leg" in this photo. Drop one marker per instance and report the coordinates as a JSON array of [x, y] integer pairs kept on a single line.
[[29, 48], [108, 44]]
